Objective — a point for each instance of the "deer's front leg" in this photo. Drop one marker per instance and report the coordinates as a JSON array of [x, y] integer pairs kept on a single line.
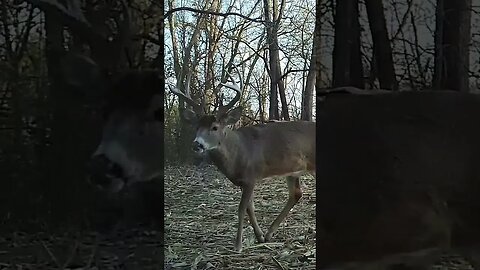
[[253, 220], [247, 192]]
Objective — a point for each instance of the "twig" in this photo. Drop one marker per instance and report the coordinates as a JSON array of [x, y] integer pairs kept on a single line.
[[72, 254], [54, 259], [265, 245], [278, 263], [94, 250]]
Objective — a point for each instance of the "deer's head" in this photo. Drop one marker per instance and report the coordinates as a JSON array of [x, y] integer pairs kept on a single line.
[[210, 128], [131, 146]]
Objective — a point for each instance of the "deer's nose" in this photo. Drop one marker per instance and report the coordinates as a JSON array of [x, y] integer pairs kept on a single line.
[[198, 147], [101, 170]]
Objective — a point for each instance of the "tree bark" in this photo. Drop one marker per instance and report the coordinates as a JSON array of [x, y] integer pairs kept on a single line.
[[452, 38], [313, 71], [381, 45], [273, 109], [347, 62], [276, 81], [58, 175], [182, 66]]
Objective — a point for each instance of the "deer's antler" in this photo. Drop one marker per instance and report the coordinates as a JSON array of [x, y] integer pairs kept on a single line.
[[186, 95], [223, 109]]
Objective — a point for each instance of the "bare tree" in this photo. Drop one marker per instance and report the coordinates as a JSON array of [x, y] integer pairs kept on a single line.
[[382, 50], [247, 38], [106, 32], [452, 39], [15, 46], [273, 16], [347, 62], [314, 70]]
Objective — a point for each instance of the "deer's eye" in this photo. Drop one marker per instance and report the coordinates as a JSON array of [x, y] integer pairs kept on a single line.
[[214, 128]]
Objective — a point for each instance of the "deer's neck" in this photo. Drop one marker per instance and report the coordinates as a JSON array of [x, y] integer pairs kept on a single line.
[[228, 156]]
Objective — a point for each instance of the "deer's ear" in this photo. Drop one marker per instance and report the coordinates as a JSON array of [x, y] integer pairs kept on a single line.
[[190, 116], [83, 74], [232, 116]]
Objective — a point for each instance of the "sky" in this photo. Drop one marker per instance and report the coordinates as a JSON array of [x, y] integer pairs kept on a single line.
[[299, 15]]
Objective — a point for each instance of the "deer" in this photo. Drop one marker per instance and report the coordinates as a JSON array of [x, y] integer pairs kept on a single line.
[[250, 154], [131, 145], [398, 178], [125, 168], [101, 69]]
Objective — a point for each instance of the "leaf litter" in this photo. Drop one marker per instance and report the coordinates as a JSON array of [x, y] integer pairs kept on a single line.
[[201, 222]]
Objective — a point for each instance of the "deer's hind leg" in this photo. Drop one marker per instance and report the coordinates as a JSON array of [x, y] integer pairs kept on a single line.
[[294, 194]]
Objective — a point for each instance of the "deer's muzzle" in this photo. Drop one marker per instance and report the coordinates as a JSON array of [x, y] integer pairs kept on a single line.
[[102, 171], [198, 147]]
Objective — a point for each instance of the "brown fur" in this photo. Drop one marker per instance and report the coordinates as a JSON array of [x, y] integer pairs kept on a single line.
[[266, 150], [250, 154], [399, 174]]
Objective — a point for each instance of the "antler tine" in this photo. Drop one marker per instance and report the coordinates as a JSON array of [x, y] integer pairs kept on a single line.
[[186, 96], [234, 87]]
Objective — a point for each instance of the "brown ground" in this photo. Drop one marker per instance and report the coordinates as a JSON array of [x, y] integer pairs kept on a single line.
[[201, 219], [200, 226], [132, 249]]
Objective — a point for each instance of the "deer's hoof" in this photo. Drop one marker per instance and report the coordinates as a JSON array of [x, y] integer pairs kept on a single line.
[[261, 239], [238, 247], [268, 236]]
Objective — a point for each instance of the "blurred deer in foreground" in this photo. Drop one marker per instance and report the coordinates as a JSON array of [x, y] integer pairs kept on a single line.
[[399, 178], [250, 154], [131, 147]]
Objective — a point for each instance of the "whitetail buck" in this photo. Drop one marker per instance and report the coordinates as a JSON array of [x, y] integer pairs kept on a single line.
[[250, 154], [399, 178], [131, 148]]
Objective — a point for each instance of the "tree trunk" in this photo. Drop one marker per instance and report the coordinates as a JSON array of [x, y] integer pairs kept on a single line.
[[347, 61], [381, 45], [313, 71], [281, 85], [57, 165], [212, 45], [452, 38], [276, 83], [182, 67], [72, 138], [318, 79]]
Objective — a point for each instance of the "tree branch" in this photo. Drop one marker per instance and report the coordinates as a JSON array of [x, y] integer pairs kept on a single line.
[[171, 11], [70, 16]]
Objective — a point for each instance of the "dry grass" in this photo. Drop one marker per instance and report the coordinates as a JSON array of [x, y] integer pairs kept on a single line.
[[201, 219], [130, 249]]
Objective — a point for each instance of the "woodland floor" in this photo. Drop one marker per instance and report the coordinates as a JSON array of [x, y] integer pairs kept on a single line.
[[201, 220], [200, 227], [132, 249]]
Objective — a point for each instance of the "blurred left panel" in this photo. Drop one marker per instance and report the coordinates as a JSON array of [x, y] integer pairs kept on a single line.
[[81, 134]]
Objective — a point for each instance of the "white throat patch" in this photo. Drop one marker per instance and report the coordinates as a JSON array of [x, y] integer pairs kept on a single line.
[[117, 154], [205, 144]]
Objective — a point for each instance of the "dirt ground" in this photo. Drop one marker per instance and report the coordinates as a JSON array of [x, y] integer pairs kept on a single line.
[[201, 219], [132, 249]]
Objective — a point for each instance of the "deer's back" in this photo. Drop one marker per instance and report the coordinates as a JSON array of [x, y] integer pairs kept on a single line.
[[281, 148]]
